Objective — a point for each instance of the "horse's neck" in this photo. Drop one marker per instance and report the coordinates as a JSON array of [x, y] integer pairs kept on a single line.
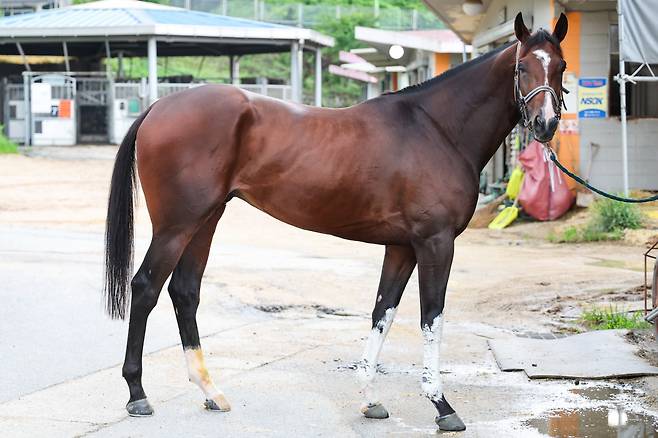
[[475, 110]]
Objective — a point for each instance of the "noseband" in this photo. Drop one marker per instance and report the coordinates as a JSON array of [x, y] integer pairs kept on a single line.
[[522, 101]]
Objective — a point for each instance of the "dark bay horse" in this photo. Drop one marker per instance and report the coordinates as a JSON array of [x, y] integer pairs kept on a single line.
[[401, 170]]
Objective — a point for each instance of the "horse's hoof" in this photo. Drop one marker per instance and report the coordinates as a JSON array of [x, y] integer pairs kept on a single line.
[[450, 423], [218, 404], [377, 411], [139, 408]]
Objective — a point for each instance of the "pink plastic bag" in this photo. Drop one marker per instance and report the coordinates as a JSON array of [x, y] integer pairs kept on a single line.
[[536, 196]]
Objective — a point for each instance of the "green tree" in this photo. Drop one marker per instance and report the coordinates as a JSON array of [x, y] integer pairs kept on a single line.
[[336, 90]]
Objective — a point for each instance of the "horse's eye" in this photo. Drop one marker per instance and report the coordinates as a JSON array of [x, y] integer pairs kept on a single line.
[[563, 66], [522, 68]]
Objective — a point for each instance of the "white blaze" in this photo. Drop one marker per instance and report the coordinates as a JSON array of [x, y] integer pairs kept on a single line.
[[431, 382], [545, 59], [367, 368]]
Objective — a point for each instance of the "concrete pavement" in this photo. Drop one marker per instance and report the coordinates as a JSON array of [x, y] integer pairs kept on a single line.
[[284, 315]]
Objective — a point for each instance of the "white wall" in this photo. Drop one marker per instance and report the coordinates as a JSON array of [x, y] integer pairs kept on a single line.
[[490, 18], [606, 166], [606, 170]]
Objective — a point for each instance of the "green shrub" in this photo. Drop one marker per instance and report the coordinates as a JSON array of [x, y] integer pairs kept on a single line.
[[608, 221], [7, 146], [610, 216], [613, 318]]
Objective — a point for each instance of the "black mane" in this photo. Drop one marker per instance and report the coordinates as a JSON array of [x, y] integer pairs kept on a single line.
[[539, 37]]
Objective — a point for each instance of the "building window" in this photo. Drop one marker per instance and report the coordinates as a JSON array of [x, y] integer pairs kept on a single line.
[[642, 97]]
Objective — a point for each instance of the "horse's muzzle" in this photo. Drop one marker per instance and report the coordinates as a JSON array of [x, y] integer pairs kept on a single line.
[[543, 129]]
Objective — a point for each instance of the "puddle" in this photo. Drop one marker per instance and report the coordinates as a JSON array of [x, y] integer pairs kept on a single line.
[[596, 423], [608, 420], [601, 393], [320, 310]]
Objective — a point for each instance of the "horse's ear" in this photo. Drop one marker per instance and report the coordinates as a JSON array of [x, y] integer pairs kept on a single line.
[[561, 27], [522, 32]]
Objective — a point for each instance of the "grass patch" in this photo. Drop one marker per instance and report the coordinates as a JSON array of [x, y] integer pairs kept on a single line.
[[584, 234], [608, 221], [612, 318], [7, 146]]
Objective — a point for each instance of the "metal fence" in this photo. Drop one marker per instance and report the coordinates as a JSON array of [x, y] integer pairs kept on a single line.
[[297, 14]]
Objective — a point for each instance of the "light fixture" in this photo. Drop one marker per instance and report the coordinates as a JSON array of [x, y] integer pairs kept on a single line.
[[396, 51], [473, 7]]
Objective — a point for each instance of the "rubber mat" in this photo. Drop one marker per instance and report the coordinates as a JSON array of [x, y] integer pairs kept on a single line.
[[593, 355]]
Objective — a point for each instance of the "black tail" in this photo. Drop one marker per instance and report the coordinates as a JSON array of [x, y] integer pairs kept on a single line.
[[119, 225]]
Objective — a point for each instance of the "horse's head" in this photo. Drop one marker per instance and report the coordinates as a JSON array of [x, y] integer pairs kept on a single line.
[[538, 77]]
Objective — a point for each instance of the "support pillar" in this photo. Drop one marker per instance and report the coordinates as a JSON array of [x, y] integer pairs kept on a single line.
[[120, 64], [318, 77], [153, 70], [65, 49], [23, 57], [622, 102], [235, 70], [295, 76]]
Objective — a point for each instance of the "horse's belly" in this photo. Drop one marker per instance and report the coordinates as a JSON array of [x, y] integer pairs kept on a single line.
[[324, 210]]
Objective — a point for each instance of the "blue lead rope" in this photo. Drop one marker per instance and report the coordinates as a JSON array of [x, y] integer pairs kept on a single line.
[[594, 189]]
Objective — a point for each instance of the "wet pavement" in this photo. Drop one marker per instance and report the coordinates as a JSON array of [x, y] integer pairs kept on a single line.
[[610, 413], [283, 318]]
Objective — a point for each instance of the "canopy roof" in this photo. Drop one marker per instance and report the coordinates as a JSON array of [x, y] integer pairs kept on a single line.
[[123, 23], [467, 27], [437, 41]]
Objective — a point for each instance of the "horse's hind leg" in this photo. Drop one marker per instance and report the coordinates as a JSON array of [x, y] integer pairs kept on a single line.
[[161, 258], [184, 289], [434, 257], [399, 263]]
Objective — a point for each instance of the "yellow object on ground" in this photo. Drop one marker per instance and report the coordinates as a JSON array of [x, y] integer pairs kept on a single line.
[[505, 217], [653, 214], [514, 184]]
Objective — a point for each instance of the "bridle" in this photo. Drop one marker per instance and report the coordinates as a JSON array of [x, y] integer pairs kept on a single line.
[[549, 154], [522, 101]]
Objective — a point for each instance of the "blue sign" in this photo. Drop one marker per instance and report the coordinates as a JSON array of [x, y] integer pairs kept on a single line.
[[592, 98]]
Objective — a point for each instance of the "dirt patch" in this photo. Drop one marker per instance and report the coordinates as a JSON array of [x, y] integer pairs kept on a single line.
[[646, 343]]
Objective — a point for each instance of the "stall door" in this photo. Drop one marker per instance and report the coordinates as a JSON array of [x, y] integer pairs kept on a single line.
[[93, 110]]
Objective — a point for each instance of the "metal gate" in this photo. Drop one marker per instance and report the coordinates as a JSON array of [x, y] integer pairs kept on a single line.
[[14, 112], [129, 100], [51, 109], [93, 103]]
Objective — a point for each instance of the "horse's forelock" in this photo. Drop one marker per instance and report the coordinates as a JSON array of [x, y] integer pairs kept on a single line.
[[540, 37]]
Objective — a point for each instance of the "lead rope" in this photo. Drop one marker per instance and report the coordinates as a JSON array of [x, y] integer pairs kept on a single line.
[[553, 157], [551, 168]]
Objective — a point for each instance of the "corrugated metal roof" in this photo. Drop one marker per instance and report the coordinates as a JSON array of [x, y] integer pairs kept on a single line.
[[133, 18], [123, 13], [64, 17]]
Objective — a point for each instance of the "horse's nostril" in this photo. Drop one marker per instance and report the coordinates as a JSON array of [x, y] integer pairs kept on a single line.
[[552, 124], [540, 122]]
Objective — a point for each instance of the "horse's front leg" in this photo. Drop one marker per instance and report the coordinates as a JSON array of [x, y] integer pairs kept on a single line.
[[434, 257], [399, 263]]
